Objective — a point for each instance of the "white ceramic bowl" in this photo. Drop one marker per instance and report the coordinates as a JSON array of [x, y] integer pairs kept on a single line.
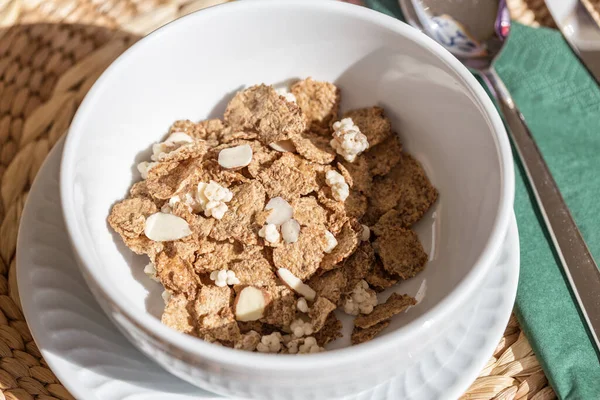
[[189, 69]]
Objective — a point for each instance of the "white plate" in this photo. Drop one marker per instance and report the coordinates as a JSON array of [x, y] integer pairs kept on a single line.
[[95, 362]]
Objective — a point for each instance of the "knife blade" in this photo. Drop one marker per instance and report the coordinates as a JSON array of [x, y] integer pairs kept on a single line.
[[580, 30]]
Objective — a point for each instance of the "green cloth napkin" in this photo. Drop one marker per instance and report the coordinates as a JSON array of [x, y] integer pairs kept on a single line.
[[561, 103]]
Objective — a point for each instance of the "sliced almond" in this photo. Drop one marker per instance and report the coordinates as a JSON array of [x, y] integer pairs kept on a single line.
[[250, 304], [421, 292], [283, 146], [282, 211], [331, 242], [235, 157], [178, 138], [162, 227], [365, 234], [290, 230], [294, 283]]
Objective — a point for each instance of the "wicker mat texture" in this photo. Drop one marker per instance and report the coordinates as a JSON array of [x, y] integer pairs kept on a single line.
[[51, 52]]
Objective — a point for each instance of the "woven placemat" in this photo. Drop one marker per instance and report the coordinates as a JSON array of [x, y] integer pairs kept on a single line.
[[51, 52]]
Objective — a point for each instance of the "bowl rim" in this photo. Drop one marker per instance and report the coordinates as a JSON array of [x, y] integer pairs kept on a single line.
[[200, 349]]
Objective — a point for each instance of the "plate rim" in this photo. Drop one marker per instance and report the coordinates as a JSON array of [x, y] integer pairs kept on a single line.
[[461, 384]]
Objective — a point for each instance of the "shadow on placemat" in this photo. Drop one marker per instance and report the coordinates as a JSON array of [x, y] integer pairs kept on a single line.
[[51, 52]]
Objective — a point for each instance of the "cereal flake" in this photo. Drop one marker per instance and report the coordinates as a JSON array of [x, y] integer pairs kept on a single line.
[[282, 309], [314, 147], [259, 108], [390, 221], [319, 311], [128, 217], [336, 216], [372, 123], [359, 171], [220, 326], [308, 211], [358, 265], [395, 304], [176, 274], [229, 135], [177, 314], [332, 330], [303, 257], [405, 188], [217, 256], [383, 157], [263, 158], [189, 150], [356, 205], [257, 326], [379, 279], [248, 199], [348, 240], [254, 270], [319, 102], [401, 252], [140, 189], [204, 130], [248, 341], [166, 179], [211, 299], [364, 335], [289, 177], [330, 284]]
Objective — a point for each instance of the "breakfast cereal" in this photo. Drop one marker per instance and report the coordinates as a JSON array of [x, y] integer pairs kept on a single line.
[[303, 257], [379, 279], [319, 311], [177, 314], [405, 188], [260, 109], [248, 341], [314, 147], [395, 304], [331, 331], [262, 224], [330, 285], [359, 264], [319, 102], [401, 252], [360, 175], [384, 156], [364, 335], [247, 201], [372, 123], [289, 177], [347, 241]]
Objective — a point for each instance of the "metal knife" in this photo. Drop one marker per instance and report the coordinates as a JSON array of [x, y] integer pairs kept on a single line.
[[580, 30]]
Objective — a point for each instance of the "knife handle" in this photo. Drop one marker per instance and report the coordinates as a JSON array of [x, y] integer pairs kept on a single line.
[[575, 257]]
